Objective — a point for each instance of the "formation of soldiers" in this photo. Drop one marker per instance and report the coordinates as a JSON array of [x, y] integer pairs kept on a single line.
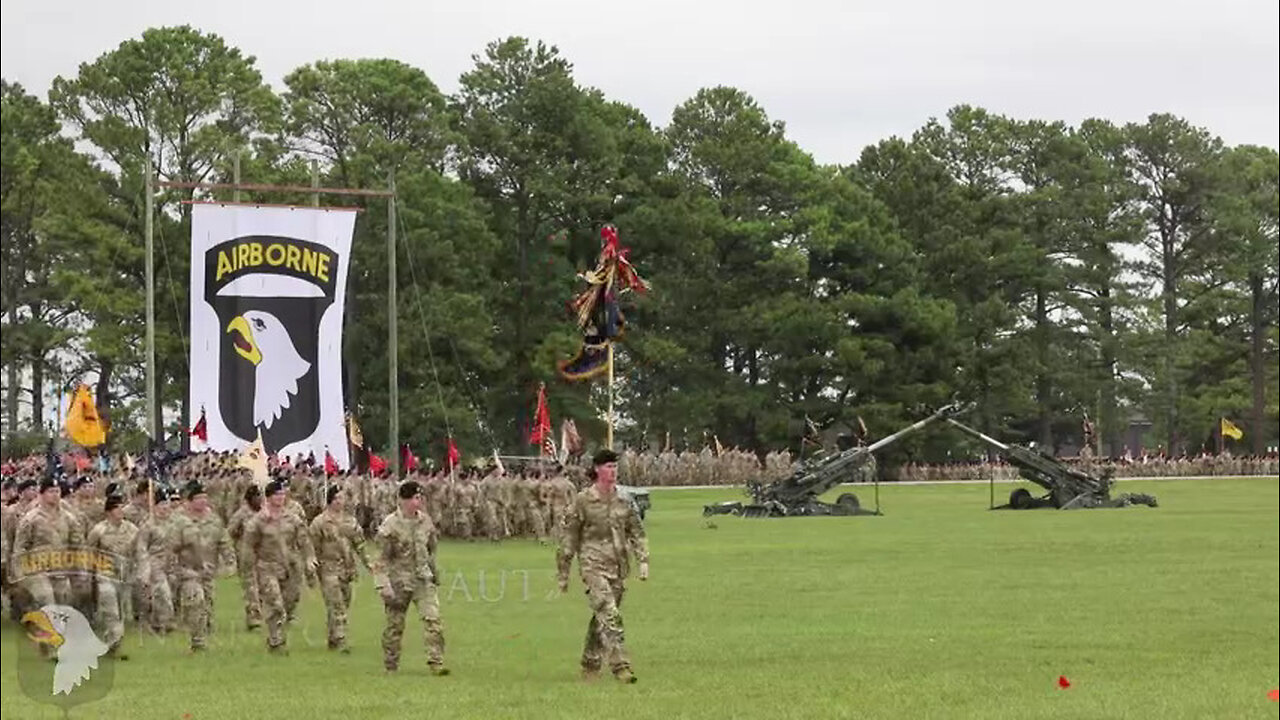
[[170, 541], [705, 467], [1204, 465]]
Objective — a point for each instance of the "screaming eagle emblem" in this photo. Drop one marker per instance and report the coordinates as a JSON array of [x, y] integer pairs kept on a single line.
[[68, 633], [270, 294], [261, 339]]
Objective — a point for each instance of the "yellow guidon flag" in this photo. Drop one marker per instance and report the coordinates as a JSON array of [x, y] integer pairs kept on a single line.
[[354, 433], [1230, 430], [83, 424]]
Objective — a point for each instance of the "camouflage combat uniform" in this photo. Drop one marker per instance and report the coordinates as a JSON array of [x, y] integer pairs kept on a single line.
[[268, 545], [405, 573], [115, 594], [601, 531], [154, 562], [248, 579], [338, 542], [198, 544], [527, 497], [43, 529], [559, 496], [299, 574]]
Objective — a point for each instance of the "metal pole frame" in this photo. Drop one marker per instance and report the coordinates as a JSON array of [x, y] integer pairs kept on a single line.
[[153, 404], [393, 337]]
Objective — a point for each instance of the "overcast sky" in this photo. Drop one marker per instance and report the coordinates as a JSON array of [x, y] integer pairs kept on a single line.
[[840, 74]]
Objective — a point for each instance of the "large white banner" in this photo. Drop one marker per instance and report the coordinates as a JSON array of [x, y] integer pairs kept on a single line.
[[268, 287]]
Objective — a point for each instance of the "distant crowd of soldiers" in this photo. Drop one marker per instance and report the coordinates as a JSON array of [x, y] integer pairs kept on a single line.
[[736, 467], [1151, 466], [706, 467]]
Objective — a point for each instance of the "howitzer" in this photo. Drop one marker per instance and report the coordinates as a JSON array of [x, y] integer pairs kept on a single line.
[[1068, 487], [799, 493]]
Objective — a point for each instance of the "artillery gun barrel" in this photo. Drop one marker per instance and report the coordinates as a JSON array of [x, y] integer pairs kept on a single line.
[[888, 440], [984, 438], [945, 410]]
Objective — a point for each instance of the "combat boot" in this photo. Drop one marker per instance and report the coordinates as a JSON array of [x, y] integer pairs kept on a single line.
[[590, 674], [438, 670], [625, 675]]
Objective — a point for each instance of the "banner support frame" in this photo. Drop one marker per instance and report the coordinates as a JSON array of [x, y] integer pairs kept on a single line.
[[152, 183]]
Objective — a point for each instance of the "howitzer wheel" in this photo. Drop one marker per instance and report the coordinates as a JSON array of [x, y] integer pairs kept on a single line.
[[849, 503], [1021, 499]]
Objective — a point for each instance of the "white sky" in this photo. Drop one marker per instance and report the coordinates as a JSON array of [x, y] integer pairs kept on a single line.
[[841, 75]]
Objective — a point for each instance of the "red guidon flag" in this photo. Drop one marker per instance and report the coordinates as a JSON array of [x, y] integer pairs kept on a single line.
[[452, 456], [541, 433], [408, 461], [201, 429]]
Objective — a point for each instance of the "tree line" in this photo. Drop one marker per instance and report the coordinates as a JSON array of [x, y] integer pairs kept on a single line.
[[1040, 269]]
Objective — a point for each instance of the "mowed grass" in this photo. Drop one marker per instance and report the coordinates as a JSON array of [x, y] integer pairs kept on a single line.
[[940, 609]]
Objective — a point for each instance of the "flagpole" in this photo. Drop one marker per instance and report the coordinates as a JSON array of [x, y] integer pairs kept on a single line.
[[608, 439], [149, 192], [393, 348]]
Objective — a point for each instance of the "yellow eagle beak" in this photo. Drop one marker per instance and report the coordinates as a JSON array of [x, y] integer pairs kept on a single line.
[[41, 630], [243, 340]]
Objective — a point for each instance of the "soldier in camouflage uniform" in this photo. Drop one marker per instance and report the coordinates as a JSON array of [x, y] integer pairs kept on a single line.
[[27, 492], [154, 561], [87, 504], [299, 572], [338, 543], [47, 526], [559, 499], [138, 511], [601, 529], [405, 573], [269, 540], [464, 507], [139, 508], [531, 511], [248, 579], [487, 502], [116, 536], [199, 542]]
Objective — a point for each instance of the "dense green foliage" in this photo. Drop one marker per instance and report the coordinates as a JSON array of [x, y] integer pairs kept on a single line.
[[1040, 269], [940, 609]]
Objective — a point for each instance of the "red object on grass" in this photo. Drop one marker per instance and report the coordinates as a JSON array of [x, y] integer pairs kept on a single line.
[[1063, 682], [1274, 695]]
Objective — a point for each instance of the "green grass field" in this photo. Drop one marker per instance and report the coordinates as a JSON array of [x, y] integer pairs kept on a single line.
[[940, 609]]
